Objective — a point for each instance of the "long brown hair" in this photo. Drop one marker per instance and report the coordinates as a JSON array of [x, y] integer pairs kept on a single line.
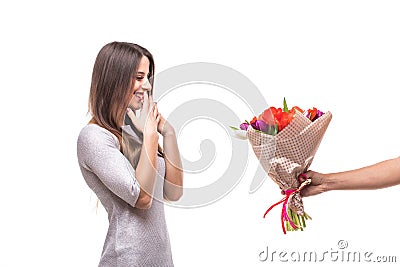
[[114, 74]]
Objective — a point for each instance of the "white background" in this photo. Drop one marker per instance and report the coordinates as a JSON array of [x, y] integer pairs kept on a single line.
[[341, 56]]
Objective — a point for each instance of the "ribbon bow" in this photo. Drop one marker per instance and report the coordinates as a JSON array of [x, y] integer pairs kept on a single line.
[[288, 193]]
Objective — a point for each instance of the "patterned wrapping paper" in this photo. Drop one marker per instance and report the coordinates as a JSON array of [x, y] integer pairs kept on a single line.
[[290, 153]]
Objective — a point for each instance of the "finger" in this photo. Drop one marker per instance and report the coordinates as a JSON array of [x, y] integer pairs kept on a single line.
[[302, 177], [131, 114], [305, 192], [150, 101], [161, 117], [316, 178], [152, 114], [135, 120], [310, 191], [158, 117], [146, 104], [155, 109]]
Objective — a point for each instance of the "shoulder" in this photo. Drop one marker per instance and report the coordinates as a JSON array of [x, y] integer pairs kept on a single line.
[[92, 135]]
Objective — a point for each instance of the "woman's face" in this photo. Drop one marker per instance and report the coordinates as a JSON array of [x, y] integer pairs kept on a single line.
[[141, 84]]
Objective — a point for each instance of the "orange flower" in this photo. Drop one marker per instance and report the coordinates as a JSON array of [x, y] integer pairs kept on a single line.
[[276, 116], [268, 116], [286, 118], [312, 113], [253, 120], [297, 108]]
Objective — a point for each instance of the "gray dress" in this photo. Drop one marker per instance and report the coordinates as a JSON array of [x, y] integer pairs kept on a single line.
[[135, 237]]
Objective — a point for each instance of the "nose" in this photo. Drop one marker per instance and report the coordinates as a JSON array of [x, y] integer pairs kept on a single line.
[[146, 85]]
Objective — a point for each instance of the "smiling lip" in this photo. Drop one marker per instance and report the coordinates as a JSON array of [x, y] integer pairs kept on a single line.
[[139, 96]]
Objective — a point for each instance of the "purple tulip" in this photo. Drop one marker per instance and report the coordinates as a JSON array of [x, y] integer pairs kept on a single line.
[[244, 126], [319, 114], [263, 126], [260, 125]]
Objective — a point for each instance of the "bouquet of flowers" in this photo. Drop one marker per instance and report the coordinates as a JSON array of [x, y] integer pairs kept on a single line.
[[285, 141]]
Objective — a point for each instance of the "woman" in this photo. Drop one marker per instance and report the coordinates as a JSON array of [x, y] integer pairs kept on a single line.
[[380, 175], [130, 190]]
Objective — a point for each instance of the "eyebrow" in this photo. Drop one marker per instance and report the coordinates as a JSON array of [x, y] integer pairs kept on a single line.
[[141, 72]]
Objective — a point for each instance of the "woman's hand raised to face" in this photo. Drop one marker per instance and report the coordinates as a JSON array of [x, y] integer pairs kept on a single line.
[[164, 128], [148, 119]]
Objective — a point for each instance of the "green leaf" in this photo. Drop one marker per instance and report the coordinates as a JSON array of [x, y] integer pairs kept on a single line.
[[271, 129], [234, 128], [285, 108], [275, 129]]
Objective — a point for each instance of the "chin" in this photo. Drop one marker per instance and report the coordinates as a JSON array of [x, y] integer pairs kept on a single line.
[[135, 106]]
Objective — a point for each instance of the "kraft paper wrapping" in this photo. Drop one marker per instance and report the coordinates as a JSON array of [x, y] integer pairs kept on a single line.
[[290, 153]]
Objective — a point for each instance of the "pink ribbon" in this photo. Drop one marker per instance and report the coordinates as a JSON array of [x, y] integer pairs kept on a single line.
[[284, 215]]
